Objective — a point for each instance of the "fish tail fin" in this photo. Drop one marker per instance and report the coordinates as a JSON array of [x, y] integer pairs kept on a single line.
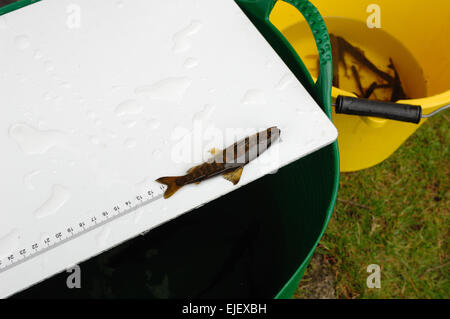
[[172, 186]]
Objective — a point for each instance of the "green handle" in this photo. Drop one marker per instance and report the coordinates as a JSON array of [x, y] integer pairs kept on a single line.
[[258, 11]]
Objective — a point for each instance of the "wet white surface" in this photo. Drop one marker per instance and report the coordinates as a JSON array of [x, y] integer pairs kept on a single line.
[[99, 96]]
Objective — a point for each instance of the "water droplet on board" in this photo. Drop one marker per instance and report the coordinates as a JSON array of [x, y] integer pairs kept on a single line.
[[129, 124], [47, 96], [94, 140], [112, 135], [190, 63], [34, 141], [9, 242], [38, 55], [285, 81], [130, 142], [91, 114], [103, 236], [48, 66], [59, 196], [128, 107], [170, 89], [204, 114], [58, 100], [28, 179], [65, 85], [153, 124], [181, 39], [254, 96], [22, 42], [119, 4]]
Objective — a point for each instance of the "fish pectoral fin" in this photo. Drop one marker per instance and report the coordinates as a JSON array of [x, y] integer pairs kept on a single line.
[[234, 176]]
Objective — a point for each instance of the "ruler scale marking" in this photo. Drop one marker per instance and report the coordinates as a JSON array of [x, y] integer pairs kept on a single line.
[[10, 261]]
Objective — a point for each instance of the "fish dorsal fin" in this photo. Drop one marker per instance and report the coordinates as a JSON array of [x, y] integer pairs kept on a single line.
[[193, 169], [234, 176], [215, 151]]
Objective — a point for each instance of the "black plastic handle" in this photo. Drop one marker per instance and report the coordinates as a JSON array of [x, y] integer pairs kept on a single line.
[[386, 110]]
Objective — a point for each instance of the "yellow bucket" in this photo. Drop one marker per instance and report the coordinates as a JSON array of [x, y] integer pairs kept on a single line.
[[414, 34]]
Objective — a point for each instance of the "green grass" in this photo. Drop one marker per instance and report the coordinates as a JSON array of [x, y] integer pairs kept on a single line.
[[396, 215]]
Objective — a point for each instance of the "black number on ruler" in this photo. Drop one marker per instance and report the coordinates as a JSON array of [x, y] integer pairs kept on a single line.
[[11, 258], [35, 246], [70, 230], [116, 208], [139, 197], [47, 240], [105, 214], [58, 235], [82, 224], [162, 187], [23, 252], [94, 219], [128, 203], [150, 193]]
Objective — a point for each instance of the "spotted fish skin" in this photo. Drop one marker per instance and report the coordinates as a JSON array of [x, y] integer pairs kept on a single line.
[[229, 162]]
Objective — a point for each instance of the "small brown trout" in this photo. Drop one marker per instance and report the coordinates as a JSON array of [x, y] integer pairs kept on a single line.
[[230, 162]]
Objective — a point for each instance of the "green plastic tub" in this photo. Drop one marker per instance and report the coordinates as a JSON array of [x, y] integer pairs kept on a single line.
[[254, 242], [306, 190]]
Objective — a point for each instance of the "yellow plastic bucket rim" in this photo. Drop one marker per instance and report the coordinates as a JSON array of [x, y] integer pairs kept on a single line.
[[429, 103]]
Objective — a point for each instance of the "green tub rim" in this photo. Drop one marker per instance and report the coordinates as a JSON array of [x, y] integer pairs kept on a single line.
[[259, 13]]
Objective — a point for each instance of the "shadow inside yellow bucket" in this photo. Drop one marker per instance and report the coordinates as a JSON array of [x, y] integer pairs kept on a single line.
[[424, 73]]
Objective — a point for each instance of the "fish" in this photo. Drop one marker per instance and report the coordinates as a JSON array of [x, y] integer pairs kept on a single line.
[[230, 162], [340, 47]]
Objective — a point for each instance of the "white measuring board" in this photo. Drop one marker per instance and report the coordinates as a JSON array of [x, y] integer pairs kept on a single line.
[[96, 99]]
